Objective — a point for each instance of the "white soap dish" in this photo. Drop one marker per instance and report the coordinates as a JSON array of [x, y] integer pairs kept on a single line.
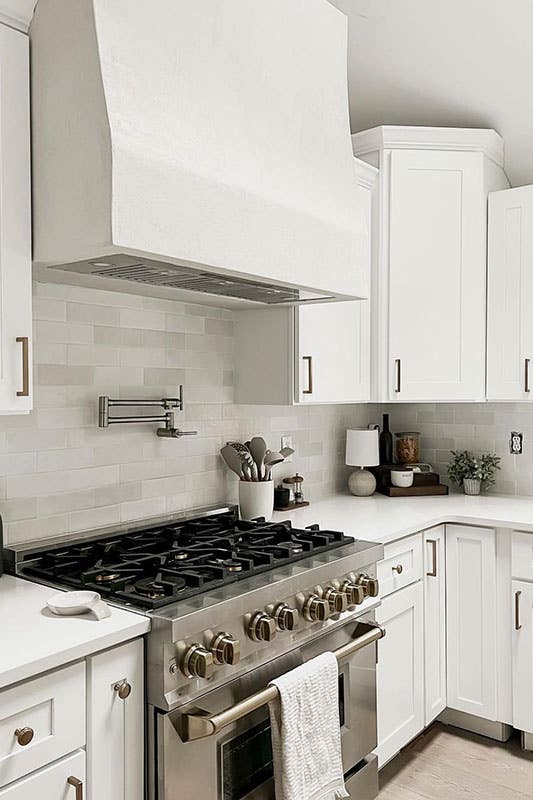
[[70, 604]]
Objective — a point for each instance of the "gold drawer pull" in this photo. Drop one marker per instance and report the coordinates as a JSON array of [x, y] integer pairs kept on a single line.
[[309, 360], [398, 569], [123, 689], [517, 623], [25, 342], [24, 736], [78, 785], [398, 370], [433, 572]]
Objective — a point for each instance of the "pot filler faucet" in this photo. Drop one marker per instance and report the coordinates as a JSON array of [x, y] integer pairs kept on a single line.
[[168, 404]]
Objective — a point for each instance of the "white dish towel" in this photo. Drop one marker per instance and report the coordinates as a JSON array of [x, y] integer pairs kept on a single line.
[[306, 737]]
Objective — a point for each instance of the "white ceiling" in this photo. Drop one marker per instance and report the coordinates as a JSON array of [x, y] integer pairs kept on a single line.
[[459, 63]]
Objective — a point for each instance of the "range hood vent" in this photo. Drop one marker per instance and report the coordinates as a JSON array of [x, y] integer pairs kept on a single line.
[[196, 146], [153, 273]]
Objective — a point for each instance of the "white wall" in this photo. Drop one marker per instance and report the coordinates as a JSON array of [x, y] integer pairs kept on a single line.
[[60, 473], [453, 63]]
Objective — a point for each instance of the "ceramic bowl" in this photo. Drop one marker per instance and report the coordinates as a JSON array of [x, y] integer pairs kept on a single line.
[[402, 478]]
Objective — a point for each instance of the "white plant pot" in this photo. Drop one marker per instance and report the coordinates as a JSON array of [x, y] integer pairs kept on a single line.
[[256, 499], [472, 486]]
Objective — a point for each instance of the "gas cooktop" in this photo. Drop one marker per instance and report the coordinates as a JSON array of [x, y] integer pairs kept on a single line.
[[151, 567]]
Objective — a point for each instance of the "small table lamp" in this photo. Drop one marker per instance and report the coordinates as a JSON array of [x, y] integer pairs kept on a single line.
[[362, 450]]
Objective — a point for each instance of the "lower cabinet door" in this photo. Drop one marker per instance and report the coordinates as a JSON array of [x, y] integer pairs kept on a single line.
[[115, 724], [400, 671], [523, 656], [472, 614], [435, 621], [64, 780]]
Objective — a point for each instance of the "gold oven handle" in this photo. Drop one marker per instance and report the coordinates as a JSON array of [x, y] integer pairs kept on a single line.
[[201, 724], [25, 342]]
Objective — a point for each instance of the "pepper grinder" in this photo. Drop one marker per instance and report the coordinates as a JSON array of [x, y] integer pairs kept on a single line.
[[296, 484]]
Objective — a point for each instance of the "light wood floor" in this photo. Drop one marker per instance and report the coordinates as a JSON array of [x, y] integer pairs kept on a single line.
[[447, 764]]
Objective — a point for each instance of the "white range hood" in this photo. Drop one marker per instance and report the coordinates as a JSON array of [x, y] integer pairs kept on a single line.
[[195, 145]]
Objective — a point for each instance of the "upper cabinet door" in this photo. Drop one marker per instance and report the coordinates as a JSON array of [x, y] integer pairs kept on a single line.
[[437, 276], [15, 228], [333, 339], [510, 322], [334, 352]]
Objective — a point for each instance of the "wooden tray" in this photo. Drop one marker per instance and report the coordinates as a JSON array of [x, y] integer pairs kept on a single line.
[[413, 491], [291, 506]]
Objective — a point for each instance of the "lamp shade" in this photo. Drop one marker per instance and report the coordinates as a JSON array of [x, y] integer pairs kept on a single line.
[[362, 447]]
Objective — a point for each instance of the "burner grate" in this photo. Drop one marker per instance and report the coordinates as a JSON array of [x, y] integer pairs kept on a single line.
[[153, 567]]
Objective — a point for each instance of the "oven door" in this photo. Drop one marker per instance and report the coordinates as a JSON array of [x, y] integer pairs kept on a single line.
[[236, 763]]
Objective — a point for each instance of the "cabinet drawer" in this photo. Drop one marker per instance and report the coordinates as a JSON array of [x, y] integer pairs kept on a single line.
[[51, 783], [402, 564], [523, 556], [52, 708]]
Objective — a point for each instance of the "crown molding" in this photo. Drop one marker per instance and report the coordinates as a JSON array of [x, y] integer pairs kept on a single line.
[[398, 137], [365, 174], [17, 13]]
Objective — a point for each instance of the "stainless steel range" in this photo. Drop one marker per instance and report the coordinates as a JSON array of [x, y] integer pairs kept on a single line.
[[233, 604]]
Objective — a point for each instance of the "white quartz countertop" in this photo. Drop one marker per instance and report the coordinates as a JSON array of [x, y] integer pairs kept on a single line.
[[384, 519], [33, 640]]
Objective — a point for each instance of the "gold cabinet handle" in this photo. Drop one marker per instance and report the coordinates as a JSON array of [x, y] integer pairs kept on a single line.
[[398, 569], [433, 572], [398, 369], [24, 736], [527, 385], [517, 623], [309, 360], [25, 342], [123, 689], [78, 785]]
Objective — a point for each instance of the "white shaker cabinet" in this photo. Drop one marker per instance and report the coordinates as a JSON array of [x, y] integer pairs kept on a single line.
[[400, 670], [115, 723], [15, 239], [15, 247], [523, 656], [430, 305], [435, 621], [314, 353], [63, 780], [472, 616], [510, 295]]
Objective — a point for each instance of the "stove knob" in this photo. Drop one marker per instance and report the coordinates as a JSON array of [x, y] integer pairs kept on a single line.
[[197, 662], [287, 618], [261, 627], [337, 601], [225, 649], [315, 609], [354, 593], [370, 585]]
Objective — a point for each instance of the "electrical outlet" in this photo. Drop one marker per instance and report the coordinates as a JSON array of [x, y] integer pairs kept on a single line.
[[286, 441], [516, 443]]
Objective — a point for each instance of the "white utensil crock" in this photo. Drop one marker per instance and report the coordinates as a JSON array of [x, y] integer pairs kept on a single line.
[[256, 499]]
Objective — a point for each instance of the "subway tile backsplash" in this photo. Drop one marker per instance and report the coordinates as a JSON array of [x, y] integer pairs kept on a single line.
[[479, 427], [60, 473]]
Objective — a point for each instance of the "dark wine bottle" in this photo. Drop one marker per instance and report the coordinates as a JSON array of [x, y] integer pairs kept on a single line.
[[385, 442]]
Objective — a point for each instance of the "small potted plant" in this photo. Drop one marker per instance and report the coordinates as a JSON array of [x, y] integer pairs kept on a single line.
[[472, 472]]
